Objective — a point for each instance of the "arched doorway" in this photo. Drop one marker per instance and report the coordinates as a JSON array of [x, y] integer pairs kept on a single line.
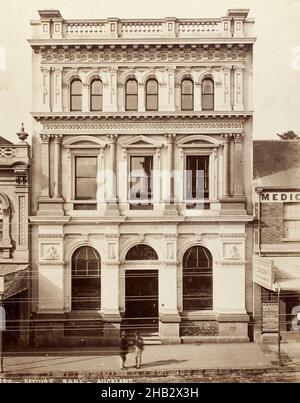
[[141, 290], [86, 279], [197, 279]]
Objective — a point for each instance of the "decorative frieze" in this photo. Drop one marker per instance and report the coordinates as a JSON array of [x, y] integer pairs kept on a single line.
[[130, 55], [216, 124]]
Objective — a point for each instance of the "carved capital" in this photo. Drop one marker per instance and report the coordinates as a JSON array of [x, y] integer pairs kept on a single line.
[[238, 137], [170, 138], [45, 138], [112, 138], [225, 137], [57, 138]]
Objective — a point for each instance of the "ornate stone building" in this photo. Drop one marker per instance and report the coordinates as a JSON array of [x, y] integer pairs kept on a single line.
[[14, 242], [116, 240]]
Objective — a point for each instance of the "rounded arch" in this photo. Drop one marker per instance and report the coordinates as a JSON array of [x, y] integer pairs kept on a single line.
[[73, 246], [71, 76], [152, 76], [4, 201], [141, 251], [197, 281], [96, 76], [78, 139], [189, 75], [125, 76], [207, 75]]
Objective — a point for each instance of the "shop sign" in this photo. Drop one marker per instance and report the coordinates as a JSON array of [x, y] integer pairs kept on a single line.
[[262, 272], [269, 317]]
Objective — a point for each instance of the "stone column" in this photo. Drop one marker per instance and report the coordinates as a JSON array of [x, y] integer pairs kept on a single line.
[[111, 202], [226, 171], [57, 165], [169, 196], [170, 138], [238, 165], [45, 139]]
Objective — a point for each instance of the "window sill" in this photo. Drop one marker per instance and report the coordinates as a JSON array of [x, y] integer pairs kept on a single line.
[[290, 239]]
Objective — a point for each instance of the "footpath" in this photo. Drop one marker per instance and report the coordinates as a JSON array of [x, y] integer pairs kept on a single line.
[[185, 360]]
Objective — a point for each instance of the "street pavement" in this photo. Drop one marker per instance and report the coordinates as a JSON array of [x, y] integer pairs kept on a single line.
[[156, 359]]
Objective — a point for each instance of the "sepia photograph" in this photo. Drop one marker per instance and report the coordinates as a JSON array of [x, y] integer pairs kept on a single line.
[[149, 194]]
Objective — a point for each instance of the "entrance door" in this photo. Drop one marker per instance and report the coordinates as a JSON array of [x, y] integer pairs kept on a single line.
[[141, 300]]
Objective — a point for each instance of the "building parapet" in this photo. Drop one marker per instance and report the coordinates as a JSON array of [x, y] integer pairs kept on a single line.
[[52, 26]]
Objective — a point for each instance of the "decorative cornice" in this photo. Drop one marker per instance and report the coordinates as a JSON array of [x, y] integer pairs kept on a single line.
[[50, 236], [225, 236], [231, 263], [52, 263]]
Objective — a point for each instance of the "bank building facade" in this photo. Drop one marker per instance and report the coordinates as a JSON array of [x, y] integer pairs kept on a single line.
[[118, 242]]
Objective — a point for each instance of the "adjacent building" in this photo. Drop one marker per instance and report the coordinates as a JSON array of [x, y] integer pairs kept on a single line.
[[118, 242], [276, 262], [14, 242]]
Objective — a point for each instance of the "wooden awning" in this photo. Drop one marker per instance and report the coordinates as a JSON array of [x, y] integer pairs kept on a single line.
[[13, 279]]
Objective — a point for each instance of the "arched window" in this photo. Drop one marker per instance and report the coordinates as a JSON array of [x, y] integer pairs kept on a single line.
[[187, 95], [131, 95], [152, 95], [207, 94], [197, 279], [141, 252], [96, 95], [86, 279], [76, 95]]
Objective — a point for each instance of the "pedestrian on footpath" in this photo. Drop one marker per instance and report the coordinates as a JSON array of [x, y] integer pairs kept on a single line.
[[123, 349], [139, 348]]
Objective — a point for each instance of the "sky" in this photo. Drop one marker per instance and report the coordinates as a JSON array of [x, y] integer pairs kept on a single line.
[[276, 53]]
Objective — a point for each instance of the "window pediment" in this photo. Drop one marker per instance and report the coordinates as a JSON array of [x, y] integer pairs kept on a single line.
[[198, 140], [141, 142]]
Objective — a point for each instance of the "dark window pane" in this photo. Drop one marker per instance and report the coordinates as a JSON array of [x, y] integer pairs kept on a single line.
[[207, 102], [131, 87], [152, 103], [96, 102], [96, 87], [152, 87], [86, 166], [187, 103], [187, 95], [86, 189], [197, 279], [83, 206], [76, 103], [131, 103], [141, 179], [141, 252], [187, 87], [207, 95], [76, 87], [207, 87], [197, 180]]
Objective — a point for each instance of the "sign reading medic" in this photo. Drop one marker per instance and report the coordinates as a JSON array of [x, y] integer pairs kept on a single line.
[[280, 197]]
